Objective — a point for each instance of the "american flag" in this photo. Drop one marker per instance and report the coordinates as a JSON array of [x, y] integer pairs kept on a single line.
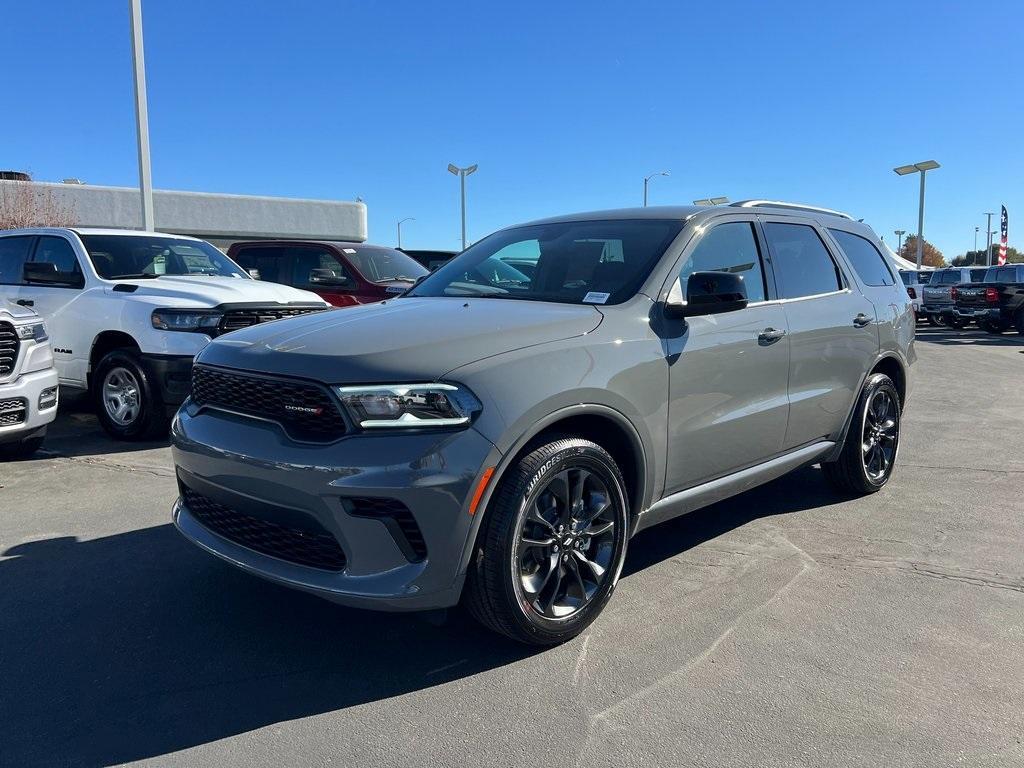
[[1002, 237]]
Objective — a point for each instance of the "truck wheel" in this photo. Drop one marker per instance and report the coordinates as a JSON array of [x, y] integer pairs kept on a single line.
[[552, 544], [1018, 322], [22, 449], [933, 320], [993, 327], [872, 442], [127, 402], [956, 322]]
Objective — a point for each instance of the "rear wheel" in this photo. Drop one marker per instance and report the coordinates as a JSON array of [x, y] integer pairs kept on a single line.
[[552, 545], [127, 401], [954, 321], [993, 326], [872, 442], [933, 319], [1018, 322]]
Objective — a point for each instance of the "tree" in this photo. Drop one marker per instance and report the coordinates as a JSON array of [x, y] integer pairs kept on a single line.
[[930, 257], [24, 204], [979, 257]]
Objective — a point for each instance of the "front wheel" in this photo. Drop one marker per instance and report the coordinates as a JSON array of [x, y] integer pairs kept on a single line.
[[552, 545], [127, 401], [872, 442]]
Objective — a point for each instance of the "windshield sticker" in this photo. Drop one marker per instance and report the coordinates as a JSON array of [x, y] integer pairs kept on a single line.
[[595, 297]]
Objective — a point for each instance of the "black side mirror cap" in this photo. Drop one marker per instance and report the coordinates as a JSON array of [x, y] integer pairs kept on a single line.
[[46, 273], [707, 293]]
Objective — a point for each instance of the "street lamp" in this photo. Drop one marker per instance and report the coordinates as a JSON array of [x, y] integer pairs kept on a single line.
[[711, 201], [407, 218], [976, 242], [899, 239], [647, 179], [988, 242], [462, 173], [141, 115], [922, 167]]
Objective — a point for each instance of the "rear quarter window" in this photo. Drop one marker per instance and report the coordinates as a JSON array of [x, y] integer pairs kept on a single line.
[[13, 253], [867, 261]]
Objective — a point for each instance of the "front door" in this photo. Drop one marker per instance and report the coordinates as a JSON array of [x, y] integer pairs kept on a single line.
[[833, 329], [729, 372]]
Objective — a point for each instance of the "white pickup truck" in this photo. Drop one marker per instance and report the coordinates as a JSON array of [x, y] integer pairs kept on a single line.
[[128, 311], [28, 382]]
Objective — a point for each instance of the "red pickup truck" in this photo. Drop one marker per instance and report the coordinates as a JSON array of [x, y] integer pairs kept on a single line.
[[344, 274]]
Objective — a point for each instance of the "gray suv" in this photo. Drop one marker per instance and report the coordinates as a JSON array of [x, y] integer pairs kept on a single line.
[[496, 439]]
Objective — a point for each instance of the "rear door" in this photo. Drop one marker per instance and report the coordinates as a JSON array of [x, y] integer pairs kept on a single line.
[[832, 329], [729, 372], [311, 265]]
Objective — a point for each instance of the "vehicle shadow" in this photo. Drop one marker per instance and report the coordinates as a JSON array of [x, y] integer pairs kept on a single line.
[[953, 337], [137, 645]]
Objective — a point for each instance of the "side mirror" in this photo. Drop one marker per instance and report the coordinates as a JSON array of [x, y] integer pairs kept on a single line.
[[707, 293], [326, 277], [46, 273]]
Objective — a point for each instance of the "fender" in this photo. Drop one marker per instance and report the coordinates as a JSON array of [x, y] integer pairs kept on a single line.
[[501, 462], [841, 437]]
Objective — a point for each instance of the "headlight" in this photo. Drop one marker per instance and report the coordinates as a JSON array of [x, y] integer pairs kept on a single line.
[[35, 331], [409, 405], [185, 319]]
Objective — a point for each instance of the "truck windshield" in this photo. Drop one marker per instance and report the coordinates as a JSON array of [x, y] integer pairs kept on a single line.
[[593, 262], [121, 257], [381, 265]]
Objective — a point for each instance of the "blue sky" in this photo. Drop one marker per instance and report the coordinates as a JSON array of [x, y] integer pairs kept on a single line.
[[565, 106]]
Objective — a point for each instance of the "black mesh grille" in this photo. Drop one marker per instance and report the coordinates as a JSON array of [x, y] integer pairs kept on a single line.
[[313, 547], [399, 521], [304, 409], [12, 411], [8, 349], [234, 319]]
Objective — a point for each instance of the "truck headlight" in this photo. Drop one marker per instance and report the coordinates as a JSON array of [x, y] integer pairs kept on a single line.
[[185, 319], [36, 331], [409, 405]]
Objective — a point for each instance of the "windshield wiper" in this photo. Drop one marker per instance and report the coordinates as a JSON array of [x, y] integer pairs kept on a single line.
[[139, 276]]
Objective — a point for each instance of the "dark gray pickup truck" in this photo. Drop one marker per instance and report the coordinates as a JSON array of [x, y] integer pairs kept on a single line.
[[997, 303], [937, 299]]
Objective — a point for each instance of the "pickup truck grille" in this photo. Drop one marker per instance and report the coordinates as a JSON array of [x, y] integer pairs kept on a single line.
[[13, 411], [9, 346], [305, 410], [235, 319]]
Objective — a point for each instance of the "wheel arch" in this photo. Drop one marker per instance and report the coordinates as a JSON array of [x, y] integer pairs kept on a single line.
[[107, 341], [889, 364]]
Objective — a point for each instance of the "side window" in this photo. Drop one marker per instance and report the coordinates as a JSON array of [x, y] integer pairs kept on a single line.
[[803, 265], [308, 259], [865, 258], [978, 275], [13, 254], [728, 247], [267, 261]]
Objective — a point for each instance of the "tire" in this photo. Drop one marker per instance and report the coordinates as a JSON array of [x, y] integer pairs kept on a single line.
[[855, 472], [1018, 321], [956, 322], [121, 377], [513, 588], [22, 449], [933, 320], [995, 328]]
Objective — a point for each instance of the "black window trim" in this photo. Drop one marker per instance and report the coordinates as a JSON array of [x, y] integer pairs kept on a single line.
[[895, 275]]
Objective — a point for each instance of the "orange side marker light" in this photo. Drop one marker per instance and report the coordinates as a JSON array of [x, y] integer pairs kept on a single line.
[[480, 488]]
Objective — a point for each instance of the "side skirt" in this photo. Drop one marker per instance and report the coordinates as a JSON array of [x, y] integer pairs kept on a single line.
[[715, 490]]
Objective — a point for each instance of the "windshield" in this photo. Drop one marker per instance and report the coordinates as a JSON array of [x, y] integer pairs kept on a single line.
[[379, 265], [594, 262], [118, 257]]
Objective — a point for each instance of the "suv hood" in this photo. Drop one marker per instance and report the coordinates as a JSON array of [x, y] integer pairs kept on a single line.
[[403, 340], [211, 291]]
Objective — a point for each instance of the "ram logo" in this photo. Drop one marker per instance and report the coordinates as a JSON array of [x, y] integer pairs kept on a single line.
[[303, 409]]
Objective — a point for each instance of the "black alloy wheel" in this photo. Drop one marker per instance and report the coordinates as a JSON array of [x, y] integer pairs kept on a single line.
[[868, 456], [881, 434]]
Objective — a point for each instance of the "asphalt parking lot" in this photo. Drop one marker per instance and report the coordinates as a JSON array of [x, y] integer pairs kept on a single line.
[[787, 626]]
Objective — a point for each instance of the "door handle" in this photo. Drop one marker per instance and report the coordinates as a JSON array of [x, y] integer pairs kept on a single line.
[[25, 302], [770, 336], [861, 320]]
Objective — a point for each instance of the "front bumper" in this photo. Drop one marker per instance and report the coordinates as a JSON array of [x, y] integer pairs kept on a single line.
[[250, 466], [27, 388]]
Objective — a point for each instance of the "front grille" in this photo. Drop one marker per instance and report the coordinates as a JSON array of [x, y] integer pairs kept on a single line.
[[9, 345], [235, 319], [13, 411], [306, 411], [397, 519], [312, 546]]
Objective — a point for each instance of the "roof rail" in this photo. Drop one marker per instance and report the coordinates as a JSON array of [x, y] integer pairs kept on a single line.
[[789, 207]]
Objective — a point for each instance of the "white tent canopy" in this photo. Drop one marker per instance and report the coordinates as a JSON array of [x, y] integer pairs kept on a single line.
[[902, 263]]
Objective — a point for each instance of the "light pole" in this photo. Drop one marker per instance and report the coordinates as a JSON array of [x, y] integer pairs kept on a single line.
[[407, 218], [462, 173], [141, 114], [976, 242], [988, 242], [899, 240], [922, 167], [648, 178], [711, 201]]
